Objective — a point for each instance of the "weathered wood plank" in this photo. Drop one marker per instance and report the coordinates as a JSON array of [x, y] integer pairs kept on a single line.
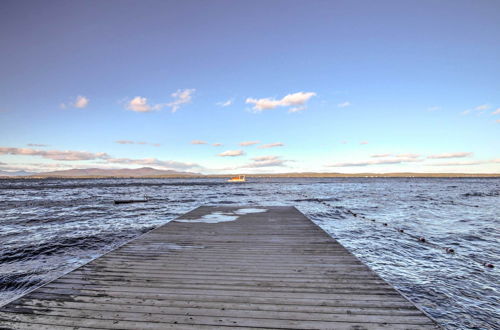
[[271, 269]]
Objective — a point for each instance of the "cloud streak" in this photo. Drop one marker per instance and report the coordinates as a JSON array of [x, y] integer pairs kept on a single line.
[[37, 145], [265, 161], [101, 157], [137, 142], [409, 155], [66, 155], [380, 155], [271, 145], [198, 142], [296, 100], [344, 104], [384, 161], [231, 153], [479, 108], [248, 143], [450, 155], [482, 107]]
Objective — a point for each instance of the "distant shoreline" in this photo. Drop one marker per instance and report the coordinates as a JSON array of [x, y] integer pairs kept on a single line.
[[280, 175]]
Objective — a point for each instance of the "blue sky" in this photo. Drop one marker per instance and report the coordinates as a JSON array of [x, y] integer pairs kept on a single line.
[[326, 86]]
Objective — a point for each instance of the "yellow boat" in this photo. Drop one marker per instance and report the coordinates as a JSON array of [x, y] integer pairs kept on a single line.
[[239, 178]]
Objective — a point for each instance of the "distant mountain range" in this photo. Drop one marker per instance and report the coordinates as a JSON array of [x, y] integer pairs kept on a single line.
[[152, 172], [98, 172], [15, 173]]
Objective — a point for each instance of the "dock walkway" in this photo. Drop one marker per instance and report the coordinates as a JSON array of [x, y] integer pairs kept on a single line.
[[221, 268]]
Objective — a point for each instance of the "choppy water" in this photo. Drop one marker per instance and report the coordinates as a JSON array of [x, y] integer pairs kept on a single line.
[[48, 227]]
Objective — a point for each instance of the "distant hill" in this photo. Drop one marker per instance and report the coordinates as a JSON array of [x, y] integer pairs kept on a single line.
[[152, 172], [16, 173], [125, 172]]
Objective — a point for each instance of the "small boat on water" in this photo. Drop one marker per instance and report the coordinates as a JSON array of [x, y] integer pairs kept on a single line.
[[239, 178]]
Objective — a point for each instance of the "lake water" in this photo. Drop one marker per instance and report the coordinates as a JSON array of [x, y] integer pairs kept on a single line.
[[49, 227]]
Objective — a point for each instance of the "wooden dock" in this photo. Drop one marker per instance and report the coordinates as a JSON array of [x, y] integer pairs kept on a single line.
[[269, 268]]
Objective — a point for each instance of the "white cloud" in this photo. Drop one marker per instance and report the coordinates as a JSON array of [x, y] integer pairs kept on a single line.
[[434, 108], [140, 104], [497, 121], [271, 145], [496, 112], [363, 142], [450, 155], [80, 103], [248, 143], [217, 144], [182, 96], [296, 100], [344, 104], [225, 103], [198, 142], [343, 142], [231, 153]]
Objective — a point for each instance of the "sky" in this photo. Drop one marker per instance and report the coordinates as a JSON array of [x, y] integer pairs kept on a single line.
[[251, 86]]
